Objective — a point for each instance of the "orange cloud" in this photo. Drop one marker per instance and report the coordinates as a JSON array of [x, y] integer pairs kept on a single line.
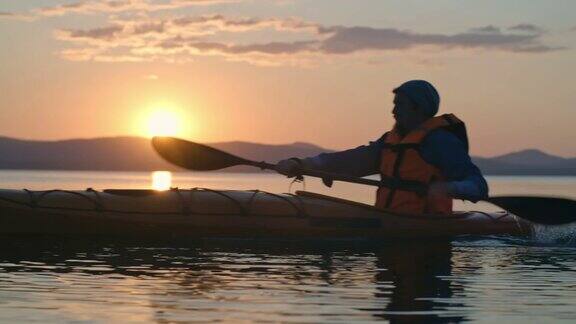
[[180, 39], [115, 6], [139, 36]]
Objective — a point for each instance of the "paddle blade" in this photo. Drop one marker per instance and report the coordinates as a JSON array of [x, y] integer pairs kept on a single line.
[[540, 210], [194, 156]]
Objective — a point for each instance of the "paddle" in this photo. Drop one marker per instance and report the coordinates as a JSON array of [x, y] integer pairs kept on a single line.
[[199, 157], [194, 156]]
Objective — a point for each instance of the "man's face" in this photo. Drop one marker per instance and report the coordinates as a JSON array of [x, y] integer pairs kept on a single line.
[[406, 113]]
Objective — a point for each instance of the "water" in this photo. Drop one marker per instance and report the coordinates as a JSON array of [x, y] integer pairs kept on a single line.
[[480, 279]]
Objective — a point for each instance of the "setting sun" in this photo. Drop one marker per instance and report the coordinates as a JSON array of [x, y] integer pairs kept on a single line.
[[164, 119], [164, 123]]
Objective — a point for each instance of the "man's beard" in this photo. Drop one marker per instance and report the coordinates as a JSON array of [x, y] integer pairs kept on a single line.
[[401, 130]]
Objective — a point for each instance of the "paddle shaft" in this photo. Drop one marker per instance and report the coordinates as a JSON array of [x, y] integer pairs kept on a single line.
[[320, 174]]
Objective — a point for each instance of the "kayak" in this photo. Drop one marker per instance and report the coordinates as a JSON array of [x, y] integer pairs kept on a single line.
[[206, 213]]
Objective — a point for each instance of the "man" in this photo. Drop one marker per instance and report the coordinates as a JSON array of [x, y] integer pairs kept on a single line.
[[421, 151]]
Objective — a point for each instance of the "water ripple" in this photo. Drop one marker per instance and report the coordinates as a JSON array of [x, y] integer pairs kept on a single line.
[[470, 279]]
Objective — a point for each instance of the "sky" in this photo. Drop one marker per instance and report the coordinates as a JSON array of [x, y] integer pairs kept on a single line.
[[283, 71]]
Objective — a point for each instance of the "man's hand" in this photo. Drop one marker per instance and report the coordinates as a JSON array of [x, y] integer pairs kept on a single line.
[[289, 167], [439, 189]]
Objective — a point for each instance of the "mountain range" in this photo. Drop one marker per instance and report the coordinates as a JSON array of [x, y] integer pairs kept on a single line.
[[137, 154]]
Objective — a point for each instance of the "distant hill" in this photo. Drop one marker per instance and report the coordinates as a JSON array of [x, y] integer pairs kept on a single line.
[[527, 162], [125, 154], [112, 153], [137, 154]]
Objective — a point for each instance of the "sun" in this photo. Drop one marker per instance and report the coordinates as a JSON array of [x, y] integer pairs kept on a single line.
[[164, 122], [165, 119]]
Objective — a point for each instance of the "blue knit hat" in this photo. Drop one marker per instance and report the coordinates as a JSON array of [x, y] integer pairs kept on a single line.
[[423, 94]]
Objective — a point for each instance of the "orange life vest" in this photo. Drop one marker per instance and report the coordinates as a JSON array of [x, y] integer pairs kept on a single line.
[[403, 169]]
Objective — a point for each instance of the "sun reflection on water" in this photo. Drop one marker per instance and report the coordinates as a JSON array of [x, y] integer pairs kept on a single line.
[[161, 180]]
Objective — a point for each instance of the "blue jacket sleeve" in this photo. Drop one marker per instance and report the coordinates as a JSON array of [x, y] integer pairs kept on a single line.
[[360, 162], [448, 153]]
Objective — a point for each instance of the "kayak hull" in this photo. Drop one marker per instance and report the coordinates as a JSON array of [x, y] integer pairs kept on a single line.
[[204, 213]]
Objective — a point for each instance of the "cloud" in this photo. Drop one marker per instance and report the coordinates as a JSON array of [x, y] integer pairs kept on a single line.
[[171, 30], [353, 39], [292, 40], [117, 6], [222, 23], [272, 48], [179, 39], [143, 36], [527, 28], [486, 29], [104, 33], [110, 7], [90, 7]]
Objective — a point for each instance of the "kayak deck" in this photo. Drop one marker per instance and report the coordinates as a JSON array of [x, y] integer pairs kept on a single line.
[[207, 213]]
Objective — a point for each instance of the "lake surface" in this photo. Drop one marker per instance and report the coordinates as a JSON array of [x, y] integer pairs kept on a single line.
[[479, 279]]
